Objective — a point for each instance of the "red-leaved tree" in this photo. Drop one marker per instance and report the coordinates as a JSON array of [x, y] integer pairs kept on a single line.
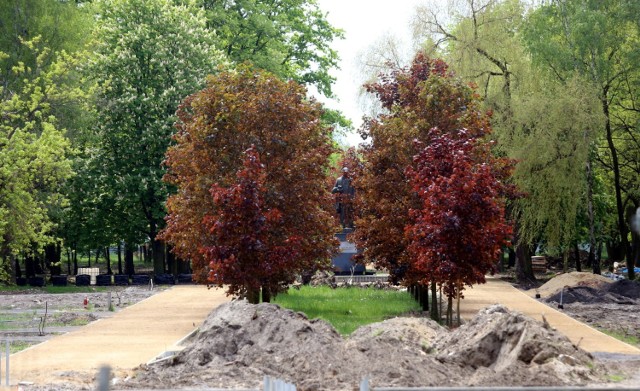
[[246, 253], [417, 98], [236, 110], [458, 232]]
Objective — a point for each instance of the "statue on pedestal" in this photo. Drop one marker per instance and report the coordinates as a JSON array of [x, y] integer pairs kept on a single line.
[[344, 198]]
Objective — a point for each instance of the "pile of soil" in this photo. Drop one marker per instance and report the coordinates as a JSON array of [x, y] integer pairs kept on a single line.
[[588, 295], [626, 288], [239, 343], [571, 279]]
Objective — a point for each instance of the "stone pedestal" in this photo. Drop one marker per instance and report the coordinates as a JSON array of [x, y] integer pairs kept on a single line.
[[342, 263]]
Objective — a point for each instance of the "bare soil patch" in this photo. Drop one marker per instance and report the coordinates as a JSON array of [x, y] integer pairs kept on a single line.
[[239, 343], [64, 311]]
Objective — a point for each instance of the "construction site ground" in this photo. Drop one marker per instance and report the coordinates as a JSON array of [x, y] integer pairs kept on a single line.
[[141, 332]]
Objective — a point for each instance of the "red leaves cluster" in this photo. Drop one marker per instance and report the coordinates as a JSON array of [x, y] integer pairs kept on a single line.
[[457, 233], [242, 231], [415, 228], [216, 126]]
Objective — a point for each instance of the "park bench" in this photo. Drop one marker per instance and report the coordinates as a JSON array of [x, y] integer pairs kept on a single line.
[[539, 264]]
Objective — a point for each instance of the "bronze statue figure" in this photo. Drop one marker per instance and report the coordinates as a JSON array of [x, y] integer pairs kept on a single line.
[[344, 198]]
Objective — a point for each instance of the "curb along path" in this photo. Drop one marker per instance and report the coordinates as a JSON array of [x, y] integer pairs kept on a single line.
[[496, 291], [131, 337]]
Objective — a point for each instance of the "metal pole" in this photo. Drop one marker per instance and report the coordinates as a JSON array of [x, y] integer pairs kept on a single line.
[[7, 364], [103, 378]]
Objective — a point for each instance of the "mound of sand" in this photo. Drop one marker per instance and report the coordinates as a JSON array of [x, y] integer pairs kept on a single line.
[[239, 343], [572, 279], [588, 295]]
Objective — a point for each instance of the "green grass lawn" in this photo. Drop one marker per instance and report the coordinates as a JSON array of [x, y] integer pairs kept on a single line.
[[348, 308]]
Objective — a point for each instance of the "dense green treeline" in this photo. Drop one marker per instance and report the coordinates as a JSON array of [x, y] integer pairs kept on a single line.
[[89, 92], [88, 96]]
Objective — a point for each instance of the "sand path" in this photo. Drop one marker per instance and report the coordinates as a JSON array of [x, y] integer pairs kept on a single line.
[[133, 336]]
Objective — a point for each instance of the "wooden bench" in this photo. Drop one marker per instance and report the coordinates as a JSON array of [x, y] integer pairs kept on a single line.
[[539, 264]]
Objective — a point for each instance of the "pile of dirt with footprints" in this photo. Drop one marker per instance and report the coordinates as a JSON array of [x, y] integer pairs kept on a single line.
[[239, 344]]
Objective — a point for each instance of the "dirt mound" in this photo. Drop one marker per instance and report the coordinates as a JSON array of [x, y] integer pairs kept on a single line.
[[572, 279], [239, 343], [626, 288], [499, 343], [587, 295]]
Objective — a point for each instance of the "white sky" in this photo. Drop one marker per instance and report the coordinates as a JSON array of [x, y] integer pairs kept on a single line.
[[363, 22]]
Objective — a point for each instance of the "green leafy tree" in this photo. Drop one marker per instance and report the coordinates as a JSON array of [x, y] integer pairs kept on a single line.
[[598, 40], [290, 38], [546, 124], [149, 54], [217, 125], [34, 155]]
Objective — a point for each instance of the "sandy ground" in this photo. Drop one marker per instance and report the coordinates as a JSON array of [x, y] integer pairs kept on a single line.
[[238, 352], [132, 336]]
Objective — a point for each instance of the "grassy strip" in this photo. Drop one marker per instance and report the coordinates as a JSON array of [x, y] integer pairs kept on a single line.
[[348, 308], [630, 339]]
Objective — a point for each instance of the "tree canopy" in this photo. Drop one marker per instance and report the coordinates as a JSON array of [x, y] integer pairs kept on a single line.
[[290, 38], [237, 110]]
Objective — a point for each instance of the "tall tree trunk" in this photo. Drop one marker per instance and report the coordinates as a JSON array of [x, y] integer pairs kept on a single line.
[[266, 294], [433, 313], [576, 251], [157, 252], [524, 270], [512, 257], [128, 259], [184, 267], [119, 258], [98, 251], [74, 255], [598, 257], [29, 266], [622, 224], [107, 255], [172, 262], [253, 295], [591, 261], [69, 261], [458, 296]]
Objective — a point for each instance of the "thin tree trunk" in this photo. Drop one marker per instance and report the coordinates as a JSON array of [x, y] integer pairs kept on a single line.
[[576, 250], [128, 260], [433, 313], [74, 255], [119, 258], [266, 294], [107, 255], [449, 311], [622, 224], [591, 261], [253, 295]]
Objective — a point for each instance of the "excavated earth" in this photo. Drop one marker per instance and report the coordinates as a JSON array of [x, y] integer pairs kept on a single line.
[[239, 343]]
